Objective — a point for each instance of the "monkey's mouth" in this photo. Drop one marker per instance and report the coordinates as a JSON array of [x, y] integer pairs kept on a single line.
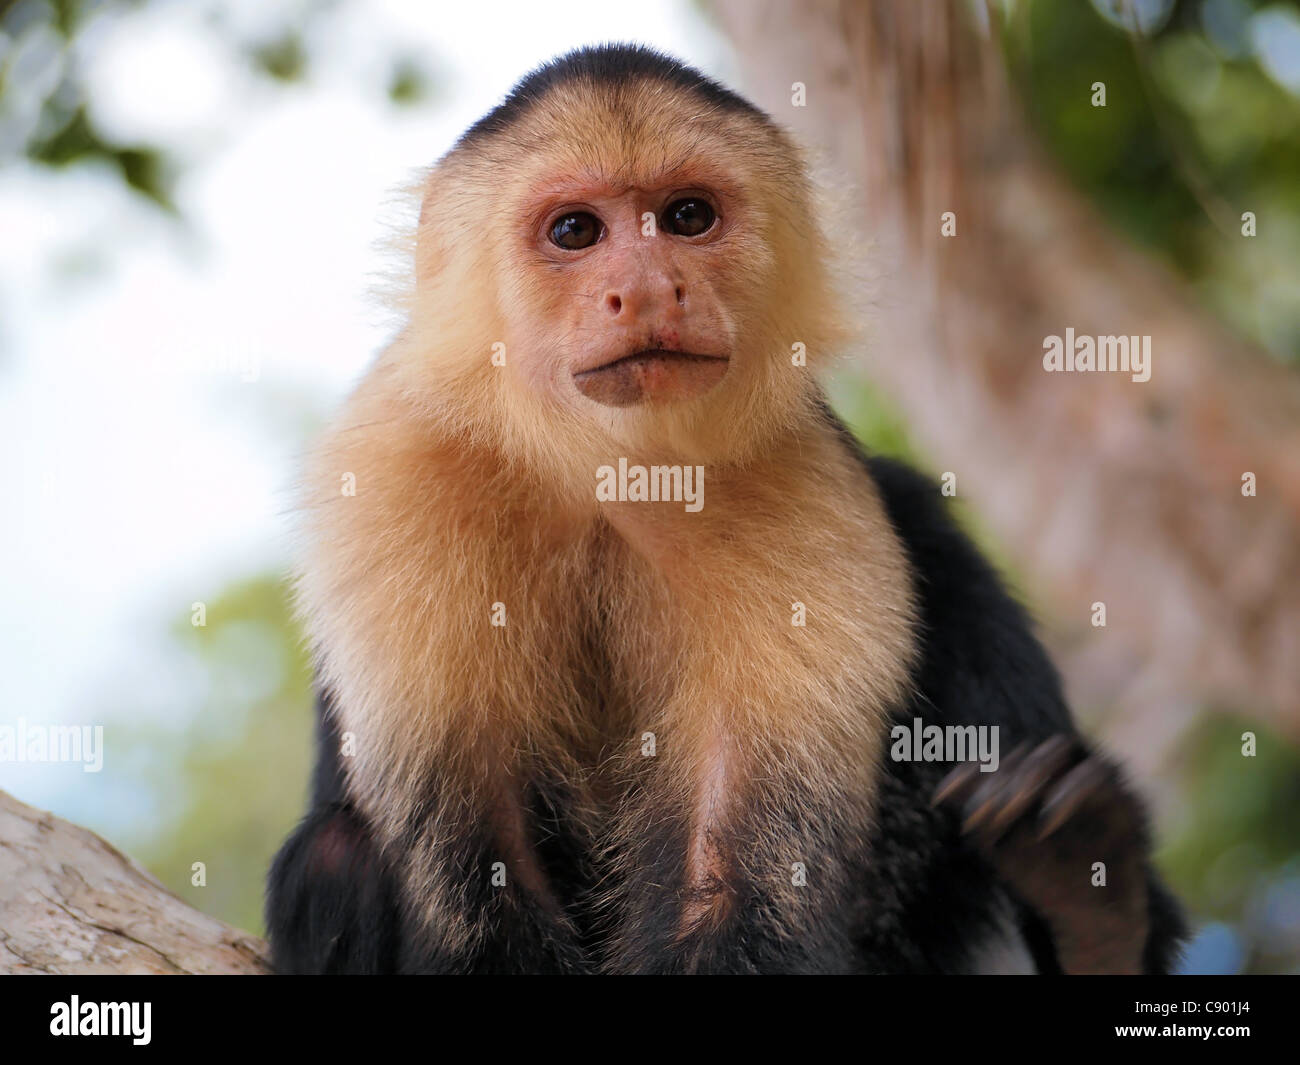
[[654, 375]]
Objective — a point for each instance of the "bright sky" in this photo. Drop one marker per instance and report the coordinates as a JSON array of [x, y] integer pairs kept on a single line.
[[144, 471]]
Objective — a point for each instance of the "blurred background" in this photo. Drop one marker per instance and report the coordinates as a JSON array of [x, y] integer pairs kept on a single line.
[[195, 203]]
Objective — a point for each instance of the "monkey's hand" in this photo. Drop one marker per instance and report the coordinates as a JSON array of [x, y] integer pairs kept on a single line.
[[1067, 837], [331, 903]]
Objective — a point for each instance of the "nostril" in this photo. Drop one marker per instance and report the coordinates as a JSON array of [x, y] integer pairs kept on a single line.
[[614, 303], [681, 294]]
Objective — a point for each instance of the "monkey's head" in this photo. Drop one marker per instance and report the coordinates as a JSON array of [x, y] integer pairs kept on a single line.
[[654, 265]]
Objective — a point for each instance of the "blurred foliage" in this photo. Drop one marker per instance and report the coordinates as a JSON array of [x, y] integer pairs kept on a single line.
[[282, 58], [871, 418], [44, 115], [1198, 127], [410, 82], [144, 169], [42, 98], [230, 780], [1234, 856]]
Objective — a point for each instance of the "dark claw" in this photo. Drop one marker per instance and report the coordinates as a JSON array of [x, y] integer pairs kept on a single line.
[[957, 784], [1074, 789], [1046, 761], [983, 807]]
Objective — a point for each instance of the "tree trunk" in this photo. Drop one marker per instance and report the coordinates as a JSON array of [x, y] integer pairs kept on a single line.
[[1103, 489], [70, 903]]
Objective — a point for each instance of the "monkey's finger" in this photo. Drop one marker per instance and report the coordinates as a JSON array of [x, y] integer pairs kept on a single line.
[[957, 785], [984, 804], [1065, 799], [1025, 787]]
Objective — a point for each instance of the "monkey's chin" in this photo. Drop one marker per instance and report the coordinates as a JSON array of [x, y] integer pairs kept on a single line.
[[653, 376]]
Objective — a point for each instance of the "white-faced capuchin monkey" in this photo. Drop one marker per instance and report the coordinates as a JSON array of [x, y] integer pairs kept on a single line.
[[613, 620]]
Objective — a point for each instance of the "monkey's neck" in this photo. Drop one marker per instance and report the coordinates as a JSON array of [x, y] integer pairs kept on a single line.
[[742, 516]]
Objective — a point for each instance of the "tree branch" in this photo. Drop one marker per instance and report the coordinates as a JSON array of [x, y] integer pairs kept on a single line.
[[71, 903]]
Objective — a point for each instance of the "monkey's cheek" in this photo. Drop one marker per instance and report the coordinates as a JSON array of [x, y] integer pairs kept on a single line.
[[651, 379]]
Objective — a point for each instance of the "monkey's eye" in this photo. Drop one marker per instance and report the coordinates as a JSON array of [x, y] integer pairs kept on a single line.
[[688, 218], [576, 230]]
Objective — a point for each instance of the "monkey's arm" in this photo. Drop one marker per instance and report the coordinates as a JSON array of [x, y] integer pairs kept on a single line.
[[335, 904], [981, 665], [331, 904]]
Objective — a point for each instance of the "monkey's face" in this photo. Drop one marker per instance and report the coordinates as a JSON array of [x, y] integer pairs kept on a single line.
[[652, 262], [641, 281]]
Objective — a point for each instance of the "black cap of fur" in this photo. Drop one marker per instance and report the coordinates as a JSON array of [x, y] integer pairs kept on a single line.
[[609, 64]]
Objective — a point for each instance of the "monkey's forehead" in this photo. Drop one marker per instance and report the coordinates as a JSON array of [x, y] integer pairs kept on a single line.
[[636, 135]]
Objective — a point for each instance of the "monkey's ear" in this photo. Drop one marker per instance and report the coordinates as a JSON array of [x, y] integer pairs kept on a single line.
[[455, 289], [436, 214]]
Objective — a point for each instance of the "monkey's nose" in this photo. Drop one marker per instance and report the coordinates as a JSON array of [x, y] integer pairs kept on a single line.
[[647, 296]]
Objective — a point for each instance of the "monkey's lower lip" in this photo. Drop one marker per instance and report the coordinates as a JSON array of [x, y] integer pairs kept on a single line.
[[655, 374]]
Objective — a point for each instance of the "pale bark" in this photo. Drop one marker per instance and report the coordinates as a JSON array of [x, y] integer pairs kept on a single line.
[[70, 903]]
